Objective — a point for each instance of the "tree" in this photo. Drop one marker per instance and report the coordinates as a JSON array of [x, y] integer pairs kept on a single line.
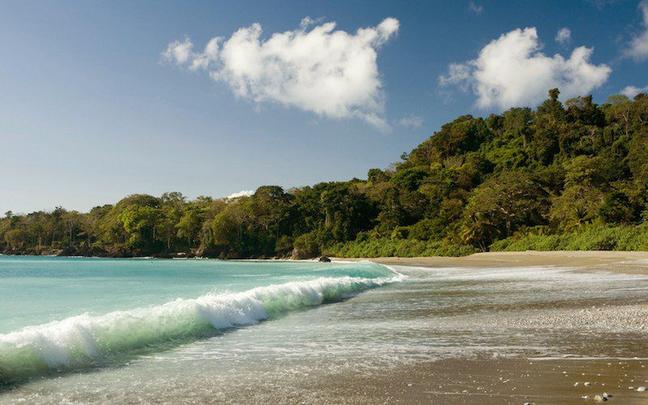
[[552, 107], [347, 211], [171, 210], [15, 239], [189, 226], [616, 208], [502, 205]]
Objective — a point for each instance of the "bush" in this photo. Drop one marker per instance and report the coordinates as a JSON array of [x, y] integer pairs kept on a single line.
[[306, 246], [387, 247], [586, 237]]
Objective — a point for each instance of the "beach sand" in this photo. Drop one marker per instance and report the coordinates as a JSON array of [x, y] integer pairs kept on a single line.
[[624, 262], [527, 379], [492, 381]]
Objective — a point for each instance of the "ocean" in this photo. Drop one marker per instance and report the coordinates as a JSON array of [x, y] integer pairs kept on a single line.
[[83, 330]]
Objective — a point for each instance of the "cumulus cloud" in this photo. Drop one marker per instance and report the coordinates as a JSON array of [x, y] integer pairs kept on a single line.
[[512, 71], [179, 52], [638, 47], [458, 74], [475, 8], [242, 193], [563, 36], [315, 68], [411, 121], [631, 91]]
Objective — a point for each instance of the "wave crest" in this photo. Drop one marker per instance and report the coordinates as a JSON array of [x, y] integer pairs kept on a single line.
[[85, 341]]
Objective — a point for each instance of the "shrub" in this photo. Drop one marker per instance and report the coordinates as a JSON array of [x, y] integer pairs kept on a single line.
[[306, 246], [387, 247], [595, 236]]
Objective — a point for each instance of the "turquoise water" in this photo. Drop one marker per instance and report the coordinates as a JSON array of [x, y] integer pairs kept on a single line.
[[80, 331], [68, 314]]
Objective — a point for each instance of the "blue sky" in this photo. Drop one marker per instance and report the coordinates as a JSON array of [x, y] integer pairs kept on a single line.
[[91, 109]]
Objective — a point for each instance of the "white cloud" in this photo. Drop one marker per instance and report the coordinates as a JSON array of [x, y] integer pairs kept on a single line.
[[631, 91], [563, 36], [475, 8], [411, 121], [209, 55], [511, 71], [243, 193], [638, 47], [458, 74], [179, 52], [315, 68]]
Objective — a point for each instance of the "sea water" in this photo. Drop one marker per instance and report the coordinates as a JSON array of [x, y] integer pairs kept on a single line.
[[60, 315], [191, 331]]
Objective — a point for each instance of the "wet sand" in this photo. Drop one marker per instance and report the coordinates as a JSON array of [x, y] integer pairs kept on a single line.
[[615, 328], [495, 381]]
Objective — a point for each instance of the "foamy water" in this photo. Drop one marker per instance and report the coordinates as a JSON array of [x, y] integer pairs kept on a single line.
[[94, 339]]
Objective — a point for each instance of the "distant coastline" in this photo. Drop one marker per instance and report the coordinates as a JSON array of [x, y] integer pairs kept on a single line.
[[606, 260], [565, 176], [612, 261]]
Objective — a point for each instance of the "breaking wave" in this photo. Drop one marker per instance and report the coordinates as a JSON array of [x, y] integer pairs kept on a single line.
[[87, 341]]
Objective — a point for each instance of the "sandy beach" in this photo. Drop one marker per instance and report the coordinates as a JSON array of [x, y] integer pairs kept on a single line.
[[495, 381], [607, 359], [625, 262], [566, 379]]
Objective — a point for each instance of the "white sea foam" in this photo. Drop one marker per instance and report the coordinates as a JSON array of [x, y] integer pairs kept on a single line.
[[517, 273], [85, 340]]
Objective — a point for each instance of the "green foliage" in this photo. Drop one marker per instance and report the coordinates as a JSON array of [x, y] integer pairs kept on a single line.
[[616, 208], [307, 245], [409, 179], [572, 176], [386, 247], [501, 205], [597, 236]]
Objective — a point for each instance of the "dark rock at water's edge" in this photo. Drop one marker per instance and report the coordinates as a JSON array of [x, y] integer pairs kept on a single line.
[[324, 259]]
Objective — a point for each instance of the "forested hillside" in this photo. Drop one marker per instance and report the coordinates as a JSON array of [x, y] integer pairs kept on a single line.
[[572, 176]]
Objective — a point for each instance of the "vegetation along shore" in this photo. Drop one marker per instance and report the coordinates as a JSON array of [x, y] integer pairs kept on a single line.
[[570, 176]]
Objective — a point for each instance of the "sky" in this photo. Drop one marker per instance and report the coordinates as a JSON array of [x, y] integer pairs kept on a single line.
[[101, 99]]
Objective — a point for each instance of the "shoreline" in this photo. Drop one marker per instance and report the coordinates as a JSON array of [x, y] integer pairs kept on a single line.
[[475, 259], [626, 262], [562, 379], [614, 261], [599, 339], [623, 262]]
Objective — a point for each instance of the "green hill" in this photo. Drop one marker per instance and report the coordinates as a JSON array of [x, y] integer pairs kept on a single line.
[[572, 176]]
